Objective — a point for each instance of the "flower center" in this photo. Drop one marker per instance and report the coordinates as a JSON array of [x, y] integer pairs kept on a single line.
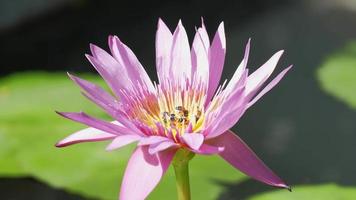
[[180, 118], [169, 111]]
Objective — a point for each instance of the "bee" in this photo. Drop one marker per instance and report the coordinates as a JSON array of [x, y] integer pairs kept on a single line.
[[185, 113], [197, 116], [181, 119], [165, 116], [179, 108], [173, 117]]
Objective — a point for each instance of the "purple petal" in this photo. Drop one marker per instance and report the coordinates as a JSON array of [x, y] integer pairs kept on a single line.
[[113, 73], [181, 65], [133, 67], [97, 94], [143, 173], [164, 41], [152, 140], [161, 146], [199, 53], [193, 140], [257, 78], [241, 69], [121, 141], [216, 60], [206, 149], [226, 122], [230, 111], [239, 155], [204, 35], [93, 89], [270, 85], [96, 123], [118, 114], [85, 135]]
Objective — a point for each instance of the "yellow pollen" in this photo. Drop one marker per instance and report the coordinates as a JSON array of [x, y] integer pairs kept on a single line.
[[171, 110], [180, 118]]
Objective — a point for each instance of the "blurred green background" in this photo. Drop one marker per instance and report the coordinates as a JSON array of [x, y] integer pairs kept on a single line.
[[304, 129]]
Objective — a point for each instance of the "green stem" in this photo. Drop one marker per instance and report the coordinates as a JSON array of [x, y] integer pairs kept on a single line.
[[181, 169]]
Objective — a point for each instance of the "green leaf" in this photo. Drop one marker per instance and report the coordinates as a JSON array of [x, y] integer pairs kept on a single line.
[[310, 192], [337, 75], [29, 128]]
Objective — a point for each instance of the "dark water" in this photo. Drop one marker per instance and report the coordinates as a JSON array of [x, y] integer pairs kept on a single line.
[[302, 133], [27, 188]]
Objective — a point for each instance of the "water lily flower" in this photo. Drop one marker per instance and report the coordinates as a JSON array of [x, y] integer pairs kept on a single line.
[[186, 113]]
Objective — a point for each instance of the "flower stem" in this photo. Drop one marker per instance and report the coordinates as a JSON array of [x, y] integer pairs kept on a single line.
[[181, 169]]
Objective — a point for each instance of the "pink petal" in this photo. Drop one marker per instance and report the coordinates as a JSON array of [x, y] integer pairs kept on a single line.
[[152, 140], [227, 121], [204, 35], [143, 173], [270, 85], [241, 69], [164, 41], [239, 155], [93, 89], [97, 94], [206, 149], [113, 73], [161, 146], [230, 111], [181, 65], [96, 123], [193, 140], [133, 67], [85, 135], [216, 60], [257, 78], [200, 60], [116, 112], [121, 141]]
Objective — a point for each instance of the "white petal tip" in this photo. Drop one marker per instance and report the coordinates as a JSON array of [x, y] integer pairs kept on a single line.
[[221, 27], [280, 52], [109, 148]]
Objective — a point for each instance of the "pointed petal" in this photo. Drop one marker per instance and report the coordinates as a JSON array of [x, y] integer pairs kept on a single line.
[[239, 155], [96, 123], [112, 71], [143, 173], [200, 59], [93, 89], [258, 77], [161, 146], [124, 55], [97, 94], [241, 69], [193, 140], [204, 35], [227, 121], [230, 111], [206, 149], [164, 39], [270, 85], [216, 60], [181, 64], [85, 135], [121, 141]]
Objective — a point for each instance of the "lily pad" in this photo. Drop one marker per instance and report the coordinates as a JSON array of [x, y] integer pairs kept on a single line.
[[29, 128], [337, 75], [311, 192]]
